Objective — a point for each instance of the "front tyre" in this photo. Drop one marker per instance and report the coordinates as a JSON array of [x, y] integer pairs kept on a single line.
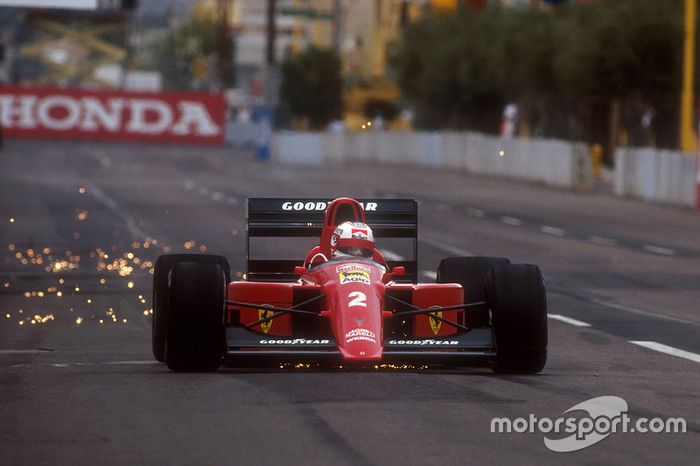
[[517, 299], [161, 292], [194, 330]]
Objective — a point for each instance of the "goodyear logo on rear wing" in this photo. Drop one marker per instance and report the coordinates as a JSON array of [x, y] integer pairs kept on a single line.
[[353, 273], [320, 206], [426, 342]]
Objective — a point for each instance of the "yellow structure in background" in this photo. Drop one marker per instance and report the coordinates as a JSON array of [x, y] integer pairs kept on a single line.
[[688, 136], [597, 160], [444, 5], [74, 54], [369, 30]]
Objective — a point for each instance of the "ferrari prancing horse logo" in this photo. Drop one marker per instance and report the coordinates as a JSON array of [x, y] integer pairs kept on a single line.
[[262, 314], [435, 324]]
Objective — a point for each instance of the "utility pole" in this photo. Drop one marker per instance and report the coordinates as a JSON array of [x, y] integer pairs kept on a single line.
[[271, 32], [225, 49], [688, 137], [337, 24]]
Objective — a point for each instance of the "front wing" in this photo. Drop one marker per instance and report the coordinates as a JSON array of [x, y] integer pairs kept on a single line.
[[475, 347]]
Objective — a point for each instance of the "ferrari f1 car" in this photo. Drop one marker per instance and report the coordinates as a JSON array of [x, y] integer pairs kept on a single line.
[[345, 310]]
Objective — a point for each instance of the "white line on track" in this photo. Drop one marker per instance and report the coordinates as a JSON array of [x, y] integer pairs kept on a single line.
[[111, 205], [63, 365], [552, 230], [447, 249], [602, 241], [429, 274], [391, 255], [23, 351], [129, 363], [516, 222], [105, 161], [652, 345], [659, 250], [568, 320], [642, 312], [476, 212]]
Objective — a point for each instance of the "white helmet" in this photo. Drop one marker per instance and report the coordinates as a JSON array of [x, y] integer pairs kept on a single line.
[[354, 239]]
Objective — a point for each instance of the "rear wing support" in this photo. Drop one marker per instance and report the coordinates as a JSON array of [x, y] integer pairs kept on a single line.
[[285, 218]]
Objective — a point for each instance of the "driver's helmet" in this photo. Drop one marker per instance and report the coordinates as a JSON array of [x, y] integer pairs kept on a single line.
[[352, 239]]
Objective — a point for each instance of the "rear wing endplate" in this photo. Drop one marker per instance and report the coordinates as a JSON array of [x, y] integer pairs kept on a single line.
[[284, 218]]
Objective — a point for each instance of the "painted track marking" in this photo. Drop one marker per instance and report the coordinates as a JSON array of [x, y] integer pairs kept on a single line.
[[391, 255], [447, 249], [602, 241], [659, 250], [516, 222], [568, 320], [552, 230], [652, 345]]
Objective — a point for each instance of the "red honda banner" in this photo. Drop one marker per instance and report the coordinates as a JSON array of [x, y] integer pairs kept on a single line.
[[44, 113]]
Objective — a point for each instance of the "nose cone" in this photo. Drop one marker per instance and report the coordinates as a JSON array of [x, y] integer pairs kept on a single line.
[[353, 291], [361, 344], [359, 327]]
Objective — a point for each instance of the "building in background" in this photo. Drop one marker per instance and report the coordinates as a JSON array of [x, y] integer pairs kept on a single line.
[[81, 43]]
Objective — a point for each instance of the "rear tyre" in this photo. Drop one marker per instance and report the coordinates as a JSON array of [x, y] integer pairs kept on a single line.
[[194, 330], [518, 302], [470, 272]]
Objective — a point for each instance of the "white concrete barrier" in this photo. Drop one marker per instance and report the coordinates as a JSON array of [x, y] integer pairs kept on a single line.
[[242, 134], [299, 148], [555, 163], [656, 175]]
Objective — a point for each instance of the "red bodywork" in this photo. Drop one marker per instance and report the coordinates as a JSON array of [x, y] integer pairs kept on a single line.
[[354, 311], [354, 306]]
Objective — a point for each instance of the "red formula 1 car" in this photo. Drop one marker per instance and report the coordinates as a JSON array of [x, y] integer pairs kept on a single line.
[[345, 310]]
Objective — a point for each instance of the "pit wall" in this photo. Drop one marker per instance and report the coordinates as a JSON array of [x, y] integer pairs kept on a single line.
[[551, 162], [656, 175], [650, 174]]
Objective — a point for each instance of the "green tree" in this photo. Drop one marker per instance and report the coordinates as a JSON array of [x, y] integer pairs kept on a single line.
[[565, 66], [311, 86], [452, 68], [187, 54]]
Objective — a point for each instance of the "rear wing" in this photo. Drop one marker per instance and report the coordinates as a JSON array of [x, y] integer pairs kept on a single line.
[[286, 218]]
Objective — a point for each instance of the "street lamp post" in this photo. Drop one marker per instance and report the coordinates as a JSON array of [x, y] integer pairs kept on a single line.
[[688, 137]]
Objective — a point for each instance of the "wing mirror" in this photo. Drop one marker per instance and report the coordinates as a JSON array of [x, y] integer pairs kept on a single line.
[[395, 272]]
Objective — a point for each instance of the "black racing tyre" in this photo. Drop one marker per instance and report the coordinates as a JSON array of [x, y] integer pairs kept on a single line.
[[161, 297], [160, 305], [518, 302], [194, 329], [470, 272]]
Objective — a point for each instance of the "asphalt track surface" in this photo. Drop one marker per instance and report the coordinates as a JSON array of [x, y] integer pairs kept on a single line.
[[78, 383]]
